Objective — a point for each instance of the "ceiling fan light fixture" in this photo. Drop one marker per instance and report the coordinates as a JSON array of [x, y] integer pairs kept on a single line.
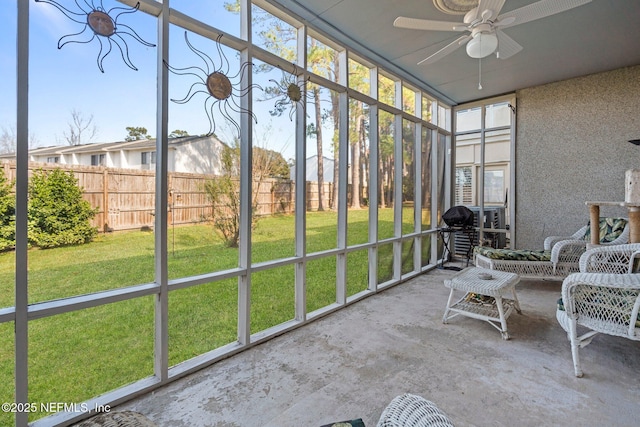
[[482, 45]]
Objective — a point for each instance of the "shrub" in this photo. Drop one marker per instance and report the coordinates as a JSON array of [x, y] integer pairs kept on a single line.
[[224, 194], [7, 214], [58, 215]]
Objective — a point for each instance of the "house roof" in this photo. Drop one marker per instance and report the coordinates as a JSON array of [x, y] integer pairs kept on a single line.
[[110, 146]]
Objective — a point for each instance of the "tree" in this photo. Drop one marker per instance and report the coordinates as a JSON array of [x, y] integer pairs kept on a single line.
[[57, 213], [136, 133], [385, 158], [357, 138], [321, 60], [269, 164], [8, 140], [320, 156], [80, 130], [223, 191], [7, 213], [176, 133]]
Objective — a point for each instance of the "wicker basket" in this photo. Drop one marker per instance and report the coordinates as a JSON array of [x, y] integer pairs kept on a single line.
[[117, 419]]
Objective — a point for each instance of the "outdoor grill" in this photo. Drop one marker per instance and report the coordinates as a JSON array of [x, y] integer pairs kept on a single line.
[[458, 219]]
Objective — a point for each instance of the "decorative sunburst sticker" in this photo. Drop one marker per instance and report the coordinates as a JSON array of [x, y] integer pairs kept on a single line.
[[290, 92], [102, 25], [213, 81]]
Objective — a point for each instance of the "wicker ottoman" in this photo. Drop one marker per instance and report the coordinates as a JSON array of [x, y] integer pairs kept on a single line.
[[483, 299]]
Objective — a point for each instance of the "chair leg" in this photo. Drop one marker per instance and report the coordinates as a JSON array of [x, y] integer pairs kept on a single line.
[[517, 303], [503, 321], [575, 347], [445, 318]]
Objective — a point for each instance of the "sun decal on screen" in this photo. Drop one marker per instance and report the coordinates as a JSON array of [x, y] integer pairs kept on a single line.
[[289, 91], [102, 25], [221, 91]]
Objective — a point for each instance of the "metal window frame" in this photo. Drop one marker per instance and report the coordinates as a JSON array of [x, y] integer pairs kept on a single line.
[[22, 313]]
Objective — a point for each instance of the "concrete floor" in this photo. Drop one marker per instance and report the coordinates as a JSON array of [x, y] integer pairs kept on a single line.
[[352, 363]]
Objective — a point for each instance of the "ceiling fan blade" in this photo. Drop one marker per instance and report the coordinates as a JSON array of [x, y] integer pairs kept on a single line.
[[451, 47], [538, 10], [425, 24], [495, 6], [507, 47]]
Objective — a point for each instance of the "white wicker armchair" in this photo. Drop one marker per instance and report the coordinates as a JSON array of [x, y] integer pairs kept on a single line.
[[410, 410], [616, 259], [606, 302], [569, 249]]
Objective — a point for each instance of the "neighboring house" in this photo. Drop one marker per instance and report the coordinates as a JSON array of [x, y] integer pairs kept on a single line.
[[312, 169], [190, 154]]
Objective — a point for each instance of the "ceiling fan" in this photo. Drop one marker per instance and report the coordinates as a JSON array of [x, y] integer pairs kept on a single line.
[[485, 25]]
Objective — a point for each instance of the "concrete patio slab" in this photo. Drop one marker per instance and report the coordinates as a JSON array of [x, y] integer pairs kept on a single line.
[[352, 363]]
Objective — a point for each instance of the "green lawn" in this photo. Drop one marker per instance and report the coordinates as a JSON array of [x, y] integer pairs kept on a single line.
[[79, 355]]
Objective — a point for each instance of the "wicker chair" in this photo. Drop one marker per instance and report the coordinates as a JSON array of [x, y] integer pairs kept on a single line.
[[117, 419], [603, 302], [560, 256], [569, 249], [409, 410]]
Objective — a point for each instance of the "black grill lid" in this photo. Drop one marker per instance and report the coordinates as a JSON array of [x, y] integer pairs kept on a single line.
[[458, 216]]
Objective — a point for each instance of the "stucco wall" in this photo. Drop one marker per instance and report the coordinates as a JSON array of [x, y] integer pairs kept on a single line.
[[572, 147]]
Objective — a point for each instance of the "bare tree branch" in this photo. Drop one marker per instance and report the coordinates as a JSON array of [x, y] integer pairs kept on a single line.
[[81, 130], [9, 140]]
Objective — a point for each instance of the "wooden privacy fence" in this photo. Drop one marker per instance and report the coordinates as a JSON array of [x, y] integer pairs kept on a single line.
[[125, 198]]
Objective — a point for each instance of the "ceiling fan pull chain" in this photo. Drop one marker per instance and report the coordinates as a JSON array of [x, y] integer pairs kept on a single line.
[[479, 73]]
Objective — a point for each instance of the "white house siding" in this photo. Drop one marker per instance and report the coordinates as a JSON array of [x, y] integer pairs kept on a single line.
[[198, 156], [192, 154]]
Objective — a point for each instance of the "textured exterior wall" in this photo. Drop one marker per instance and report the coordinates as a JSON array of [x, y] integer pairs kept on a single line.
[[571, 147]]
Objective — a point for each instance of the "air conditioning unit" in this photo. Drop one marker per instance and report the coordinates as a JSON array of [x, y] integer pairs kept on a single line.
[[494, 217]]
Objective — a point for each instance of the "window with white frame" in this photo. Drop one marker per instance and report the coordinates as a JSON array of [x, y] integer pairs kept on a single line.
[[484, 141], [98, 159], [148, 158], [464, 186]]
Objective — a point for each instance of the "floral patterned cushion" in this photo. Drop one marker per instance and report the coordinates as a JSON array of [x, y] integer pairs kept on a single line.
[[610, 229], [615, 304], [351, 423], [513, 255]]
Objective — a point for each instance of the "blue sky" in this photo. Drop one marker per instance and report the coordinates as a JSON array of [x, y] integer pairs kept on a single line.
[[66, 79]]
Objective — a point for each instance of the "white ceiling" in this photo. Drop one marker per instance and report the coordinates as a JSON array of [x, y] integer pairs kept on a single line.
[[599, 36]]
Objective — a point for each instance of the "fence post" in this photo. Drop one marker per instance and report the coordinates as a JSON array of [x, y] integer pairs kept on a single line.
[[105, 200], [292, 195], [273, 198]]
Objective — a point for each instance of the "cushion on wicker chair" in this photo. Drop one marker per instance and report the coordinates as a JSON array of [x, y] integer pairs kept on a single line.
[[513, 255], [613, 302], [350, 423], [610, 229]]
